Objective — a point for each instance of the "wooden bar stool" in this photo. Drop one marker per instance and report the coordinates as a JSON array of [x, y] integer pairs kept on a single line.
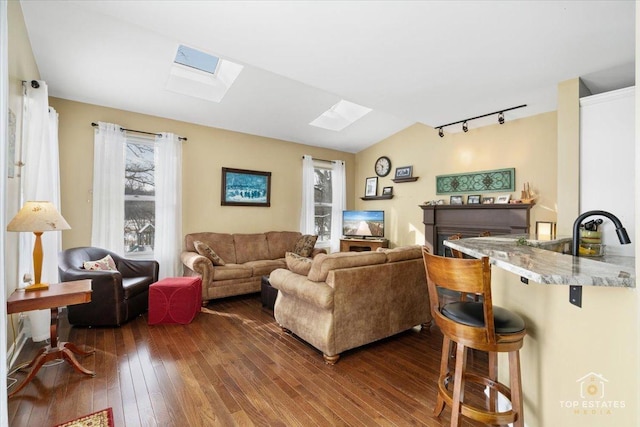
[[475, 325]]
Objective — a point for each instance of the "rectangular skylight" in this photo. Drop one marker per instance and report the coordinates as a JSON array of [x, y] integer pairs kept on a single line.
[[340, 116], [201, 75], [196, 59]]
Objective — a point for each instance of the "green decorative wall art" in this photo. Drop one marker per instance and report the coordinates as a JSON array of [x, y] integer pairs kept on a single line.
[[472, 182]]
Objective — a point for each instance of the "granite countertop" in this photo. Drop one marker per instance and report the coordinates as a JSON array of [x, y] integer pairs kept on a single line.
[[534, 262]]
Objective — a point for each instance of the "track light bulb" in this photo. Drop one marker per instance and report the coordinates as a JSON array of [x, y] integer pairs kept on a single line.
[[441, 132], [501, 118], [465, 127]]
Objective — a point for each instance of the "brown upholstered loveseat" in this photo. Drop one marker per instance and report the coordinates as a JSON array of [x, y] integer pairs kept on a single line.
[[247, 258], [350, 299]]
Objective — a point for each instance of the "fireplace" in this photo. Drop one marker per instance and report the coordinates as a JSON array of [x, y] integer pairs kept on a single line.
[[442, 221]]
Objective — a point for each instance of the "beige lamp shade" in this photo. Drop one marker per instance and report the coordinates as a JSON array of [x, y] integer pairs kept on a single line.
[[38, 216]]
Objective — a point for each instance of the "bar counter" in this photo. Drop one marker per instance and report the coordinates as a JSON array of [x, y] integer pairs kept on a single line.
[[537, 260]]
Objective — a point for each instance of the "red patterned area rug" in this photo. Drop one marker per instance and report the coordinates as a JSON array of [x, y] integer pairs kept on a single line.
[[102, 418]]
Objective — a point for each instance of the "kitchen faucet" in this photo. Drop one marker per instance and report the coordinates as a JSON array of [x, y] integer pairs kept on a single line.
[[620, 230]]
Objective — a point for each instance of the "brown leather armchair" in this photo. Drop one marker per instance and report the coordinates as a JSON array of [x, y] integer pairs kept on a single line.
[[118, 296]]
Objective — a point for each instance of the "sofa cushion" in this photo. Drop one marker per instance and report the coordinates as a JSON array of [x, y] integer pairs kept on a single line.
[[251, 247], [322, 264], [204, 250], [304, 245], [298, 264], [264, 267], [232, 271], [281, 242], [107, 263], [221, 243], [402, 253]]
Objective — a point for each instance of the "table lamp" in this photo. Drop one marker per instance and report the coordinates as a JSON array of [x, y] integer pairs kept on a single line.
[[38, 217]]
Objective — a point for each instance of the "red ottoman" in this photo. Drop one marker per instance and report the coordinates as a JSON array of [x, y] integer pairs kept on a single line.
[[175, 300]]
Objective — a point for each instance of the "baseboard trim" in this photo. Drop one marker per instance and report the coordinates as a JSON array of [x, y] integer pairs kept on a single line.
[[18, 344]]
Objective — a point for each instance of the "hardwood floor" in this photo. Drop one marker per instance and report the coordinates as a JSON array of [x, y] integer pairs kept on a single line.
[[233, 365]]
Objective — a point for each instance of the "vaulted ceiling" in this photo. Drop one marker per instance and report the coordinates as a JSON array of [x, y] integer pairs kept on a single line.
[[432, 62]]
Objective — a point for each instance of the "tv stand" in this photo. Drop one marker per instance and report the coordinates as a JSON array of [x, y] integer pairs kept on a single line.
[[362, 245]]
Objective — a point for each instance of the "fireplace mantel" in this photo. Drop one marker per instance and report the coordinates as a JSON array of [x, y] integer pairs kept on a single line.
[[471, 220]]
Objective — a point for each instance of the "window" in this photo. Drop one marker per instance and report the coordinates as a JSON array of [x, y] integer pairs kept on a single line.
[[201, 75], [196, 59], [139, 198], [340, 115], [322, 201]]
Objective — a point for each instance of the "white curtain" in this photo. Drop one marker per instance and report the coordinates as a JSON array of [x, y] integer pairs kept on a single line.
[[109, 145], [307, 213], [4, 133], [168, 181], [40, 181], [338, 202]]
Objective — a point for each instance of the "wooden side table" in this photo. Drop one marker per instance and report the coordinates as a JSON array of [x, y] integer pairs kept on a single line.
[[58, 295]]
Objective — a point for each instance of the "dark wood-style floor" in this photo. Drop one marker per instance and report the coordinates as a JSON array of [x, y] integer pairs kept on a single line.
[[233, 365]]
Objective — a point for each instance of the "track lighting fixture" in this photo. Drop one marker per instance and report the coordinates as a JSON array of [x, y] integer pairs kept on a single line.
[[465, 125]]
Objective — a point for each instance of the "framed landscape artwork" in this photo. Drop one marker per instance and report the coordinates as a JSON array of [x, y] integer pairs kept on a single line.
[[242, 187]]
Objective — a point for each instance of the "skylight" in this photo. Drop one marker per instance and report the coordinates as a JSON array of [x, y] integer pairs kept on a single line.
[[196, 59], [201, 75], [340, 116]]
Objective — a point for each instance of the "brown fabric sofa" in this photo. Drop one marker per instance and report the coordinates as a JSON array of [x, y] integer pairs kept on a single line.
[[350, 299], [247, 258]]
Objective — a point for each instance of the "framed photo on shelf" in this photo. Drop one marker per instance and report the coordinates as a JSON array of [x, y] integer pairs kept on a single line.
[[404, 172], [455, 200], [503, 199], [473, 199], [371, 187], [387, 191], [487, 200], [242, 187]]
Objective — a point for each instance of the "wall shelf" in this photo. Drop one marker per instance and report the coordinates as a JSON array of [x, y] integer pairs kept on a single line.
[[388, 196], [409, 179]]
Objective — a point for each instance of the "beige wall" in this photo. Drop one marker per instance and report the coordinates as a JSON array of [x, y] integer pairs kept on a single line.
[[204, 154], [528, 145]]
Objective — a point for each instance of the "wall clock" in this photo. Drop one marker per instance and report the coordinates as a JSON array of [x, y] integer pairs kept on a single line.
[[383, 166]]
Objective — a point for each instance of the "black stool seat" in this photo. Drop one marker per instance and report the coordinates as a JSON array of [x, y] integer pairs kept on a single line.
[[472, 314]]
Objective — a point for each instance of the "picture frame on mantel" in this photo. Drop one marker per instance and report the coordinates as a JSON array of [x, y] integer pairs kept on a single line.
[[455, 200], [473, 199], [503, 199], [371, 187]]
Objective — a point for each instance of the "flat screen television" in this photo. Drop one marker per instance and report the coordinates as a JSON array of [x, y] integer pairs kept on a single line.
[[363, 224]]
